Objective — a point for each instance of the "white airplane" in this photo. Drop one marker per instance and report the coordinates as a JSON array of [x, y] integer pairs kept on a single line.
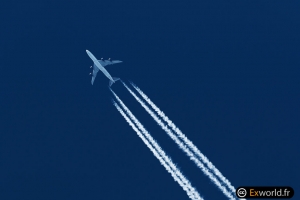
[[99, 65]]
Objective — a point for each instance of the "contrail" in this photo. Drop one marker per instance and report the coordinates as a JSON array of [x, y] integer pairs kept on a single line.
[[185, 139], [158, 152], [182, 146], [153, 142]]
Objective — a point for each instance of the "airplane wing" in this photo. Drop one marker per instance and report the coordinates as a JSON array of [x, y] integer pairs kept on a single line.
[[108, 62], [95, 71]]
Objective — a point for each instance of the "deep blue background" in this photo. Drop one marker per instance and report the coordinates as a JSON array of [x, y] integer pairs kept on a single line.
[[226, 72]]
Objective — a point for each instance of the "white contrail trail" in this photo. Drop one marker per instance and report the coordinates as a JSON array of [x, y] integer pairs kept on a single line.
[[182, 146], [155, 144], [185, 139], [192, 194]]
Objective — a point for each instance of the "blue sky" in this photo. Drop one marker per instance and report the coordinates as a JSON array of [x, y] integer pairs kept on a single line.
[[226, 73]]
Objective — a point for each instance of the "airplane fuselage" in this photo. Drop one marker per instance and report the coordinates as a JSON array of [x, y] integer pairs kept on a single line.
[[96, 62]]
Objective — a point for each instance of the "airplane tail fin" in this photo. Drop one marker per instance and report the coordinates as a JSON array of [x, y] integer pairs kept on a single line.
[[112, 82]]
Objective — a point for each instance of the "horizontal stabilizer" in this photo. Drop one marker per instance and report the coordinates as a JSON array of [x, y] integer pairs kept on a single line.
[[115, 79], [112, 82]]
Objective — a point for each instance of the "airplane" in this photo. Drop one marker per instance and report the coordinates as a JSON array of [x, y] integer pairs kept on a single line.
[[99, 65]]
